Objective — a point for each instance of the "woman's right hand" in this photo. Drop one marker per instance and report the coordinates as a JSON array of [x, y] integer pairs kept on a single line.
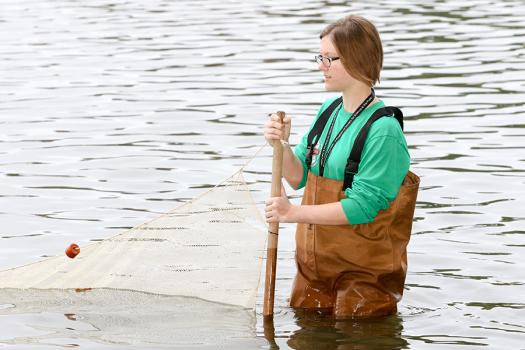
[[274, 130]]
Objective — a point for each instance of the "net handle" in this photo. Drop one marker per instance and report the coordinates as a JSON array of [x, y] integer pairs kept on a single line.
[[273, 230]]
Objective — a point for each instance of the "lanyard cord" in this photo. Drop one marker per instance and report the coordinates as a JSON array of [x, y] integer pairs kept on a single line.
[[326, 151]]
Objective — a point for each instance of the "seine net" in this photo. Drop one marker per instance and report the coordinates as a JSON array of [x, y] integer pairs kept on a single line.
[[210, 248]]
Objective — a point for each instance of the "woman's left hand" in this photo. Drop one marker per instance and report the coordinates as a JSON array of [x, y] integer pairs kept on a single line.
[[279, 209]]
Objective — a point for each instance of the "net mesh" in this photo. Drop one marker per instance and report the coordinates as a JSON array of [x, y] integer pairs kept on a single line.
[[108, 318], [210, 248]]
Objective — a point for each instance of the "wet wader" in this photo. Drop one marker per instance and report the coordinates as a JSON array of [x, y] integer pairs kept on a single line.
[[353, 270]]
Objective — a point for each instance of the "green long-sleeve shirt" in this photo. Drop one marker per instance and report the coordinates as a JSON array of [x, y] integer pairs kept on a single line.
[[384, 162]]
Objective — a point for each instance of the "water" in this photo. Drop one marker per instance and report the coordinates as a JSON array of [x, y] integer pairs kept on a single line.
[[114, 112]]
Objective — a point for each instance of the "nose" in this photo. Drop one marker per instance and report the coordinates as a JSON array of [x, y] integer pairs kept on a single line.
[[322, 67]]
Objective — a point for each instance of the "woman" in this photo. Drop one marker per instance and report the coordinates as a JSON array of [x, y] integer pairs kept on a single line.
[[355, 218]]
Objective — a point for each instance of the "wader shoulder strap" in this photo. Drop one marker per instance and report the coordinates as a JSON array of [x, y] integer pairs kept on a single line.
[[317, 130], [352, 165]]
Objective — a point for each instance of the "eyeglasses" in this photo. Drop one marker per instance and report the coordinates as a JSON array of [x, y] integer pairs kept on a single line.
[[326, 61]]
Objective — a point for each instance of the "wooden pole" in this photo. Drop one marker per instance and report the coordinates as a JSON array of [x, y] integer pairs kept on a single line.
[[269, 332], [273, 230]]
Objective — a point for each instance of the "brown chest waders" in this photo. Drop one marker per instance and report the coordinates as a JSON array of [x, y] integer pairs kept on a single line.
[[353, 270]]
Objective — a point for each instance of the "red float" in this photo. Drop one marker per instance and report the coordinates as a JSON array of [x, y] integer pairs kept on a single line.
[[73, 250]]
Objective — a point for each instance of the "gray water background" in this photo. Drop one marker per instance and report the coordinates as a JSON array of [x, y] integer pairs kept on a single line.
[[112, 112]]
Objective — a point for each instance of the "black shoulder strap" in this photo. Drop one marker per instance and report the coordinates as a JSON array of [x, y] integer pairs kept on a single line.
[[317, 129], [352, 165]]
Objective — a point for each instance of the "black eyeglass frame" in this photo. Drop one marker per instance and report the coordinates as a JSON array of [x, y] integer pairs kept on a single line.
[[325, 60]]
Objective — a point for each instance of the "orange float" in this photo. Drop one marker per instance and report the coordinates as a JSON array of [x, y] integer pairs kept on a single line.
[[73, 250]]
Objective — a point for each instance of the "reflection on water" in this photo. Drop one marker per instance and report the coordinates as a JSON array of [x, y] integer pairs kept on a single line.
[[320, 331], [113, 112]]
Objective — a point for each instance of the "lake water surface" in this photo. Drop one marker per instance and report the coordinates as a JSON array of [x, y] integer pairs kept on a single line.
[[112, 112]]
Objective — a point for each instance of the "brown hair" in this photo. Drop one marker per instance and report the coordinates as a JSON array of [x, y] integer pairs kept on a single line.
[[359, 46]]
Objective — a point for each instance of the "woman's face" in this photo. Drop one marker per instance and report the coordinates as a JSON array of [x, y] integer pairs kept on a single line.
[[336, 78]]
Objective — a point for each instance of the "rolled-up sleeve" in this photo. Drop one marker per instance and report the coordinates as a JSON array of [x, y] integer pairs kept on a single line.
[[300, 152]]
